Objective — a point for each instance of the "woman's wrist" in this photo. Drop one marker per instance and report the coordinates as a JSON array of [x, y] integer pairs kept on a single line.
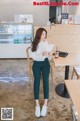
[[49, 53], [45, 53]]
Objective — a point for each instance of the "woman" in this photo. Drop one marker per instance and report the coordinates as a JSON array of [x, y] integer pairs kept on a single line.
[[41, 53]]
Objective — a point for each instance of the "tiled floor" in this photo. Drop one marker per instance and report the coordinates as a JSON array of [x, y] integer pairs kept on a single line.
[[16, 93]]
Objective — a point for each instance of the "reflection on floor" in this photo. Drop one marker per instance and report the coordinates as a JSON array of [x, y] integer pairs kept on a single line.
[[17, 92]]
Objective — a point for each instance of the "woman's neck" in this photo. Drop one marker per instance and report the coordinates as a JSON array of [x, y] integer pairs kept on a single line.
[[42, 40]]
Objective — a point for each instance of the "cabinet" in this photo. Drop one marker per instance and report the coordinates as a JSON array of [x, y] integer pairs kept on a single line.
[[14, 39]]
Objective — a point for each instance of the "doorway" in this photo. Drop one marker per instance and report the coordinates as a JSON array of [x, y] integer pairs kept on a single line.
[[54, 11]]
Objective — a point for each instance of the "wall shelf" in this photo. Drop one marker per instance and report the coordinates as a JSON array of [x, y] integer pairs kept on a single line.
[[14, 39]]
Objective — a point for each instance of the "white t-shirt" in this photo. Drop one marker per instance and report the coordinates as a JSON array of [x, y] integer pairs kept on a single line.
[[42, 46]]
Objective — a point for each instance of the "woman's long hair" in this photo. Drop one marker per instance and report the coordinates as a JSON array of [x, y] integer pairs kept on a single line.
[[37, 38]]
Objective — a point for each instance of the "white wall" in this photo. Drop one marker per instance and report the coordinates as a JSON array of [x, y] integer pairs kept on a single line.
[[75, 10], [40, 13], [72, 10], [10, 7]]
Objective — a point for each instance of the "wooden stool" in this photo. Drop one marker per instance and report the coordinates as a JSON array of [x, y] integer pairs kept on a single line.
[[30, 62], [76, 70], [73, 87]]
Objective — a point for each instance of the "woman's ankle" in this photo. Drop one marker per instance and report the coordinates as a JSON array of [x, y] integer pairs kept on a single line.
[[45, 102], [37, 102]]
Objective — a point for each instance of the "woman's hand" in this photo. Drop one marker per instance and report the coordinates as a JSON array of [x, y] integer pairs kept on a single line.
[[45, 53], [50, 53]]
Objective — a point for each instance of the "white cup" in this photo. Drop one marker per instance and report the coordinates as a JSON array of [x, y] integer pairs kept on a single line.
[[57, 54]]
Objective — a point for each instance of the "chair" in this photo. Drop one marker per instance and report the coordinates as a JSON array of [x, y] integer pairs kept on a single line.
[[76, 70], [30, 62]]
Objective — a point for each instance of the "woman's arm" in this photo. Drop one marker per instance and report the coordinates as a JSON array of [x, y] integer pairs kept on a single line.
[[51, 48]]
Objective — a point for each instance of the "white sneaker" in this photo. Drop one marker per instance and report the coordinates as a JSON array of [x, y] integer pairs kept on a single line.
[[44, 111], [37, 111]]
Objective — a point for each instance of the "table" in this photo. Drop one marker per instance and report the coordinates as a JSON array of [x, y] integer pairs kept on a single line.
[[72, 59], [73, 87]]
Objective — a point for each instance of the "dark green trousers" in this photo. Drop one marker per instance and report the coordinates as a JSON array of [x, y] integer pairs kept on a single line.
[[38, 68]]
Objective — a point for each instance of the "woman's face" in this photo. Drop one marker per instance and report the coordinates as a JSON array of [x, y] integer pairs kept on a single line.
[[43, 35]]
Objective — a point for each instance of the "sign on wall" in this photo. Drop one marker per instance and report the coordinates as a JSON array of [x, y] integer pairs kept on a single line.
[[64, 17]]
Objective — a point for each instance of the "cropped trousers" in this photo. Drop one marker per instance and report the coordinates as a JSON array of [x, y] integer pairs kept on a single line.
[[38, 68]]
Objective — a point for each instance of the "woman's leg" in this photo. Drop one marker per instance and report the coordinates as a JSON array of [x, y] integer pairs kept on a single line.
[[37, 73], [45, 73]]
